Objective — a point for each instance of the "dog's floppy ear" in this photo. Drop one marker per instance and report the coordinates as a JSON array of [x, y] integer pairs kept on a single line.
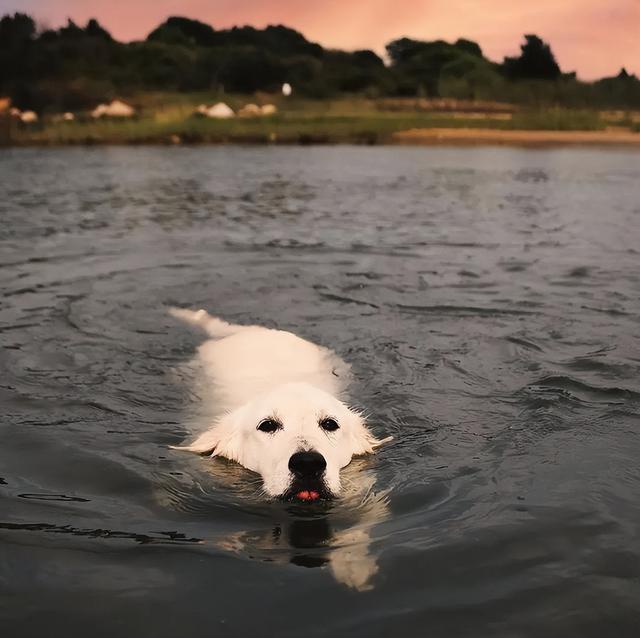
[[222, 439], [380, 442], [364, 442], [206, 443]]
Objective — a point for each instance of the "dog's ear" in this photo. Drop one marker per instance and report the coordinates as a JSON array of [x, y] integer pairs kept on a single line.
[[364, 442], [380, 442], [207, 443], [222, 439]]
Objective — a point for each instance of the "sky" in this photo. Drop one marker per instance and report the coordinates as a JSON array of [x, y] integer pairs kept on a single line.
[[593, 37]]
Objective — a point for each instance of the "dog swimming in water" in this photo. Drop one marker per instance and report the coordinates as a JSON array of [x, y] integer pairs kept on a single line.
[[280, 412]]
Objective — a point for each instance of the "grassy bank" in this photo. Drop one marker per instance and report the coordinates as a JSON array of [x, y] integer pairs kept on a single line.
[[164, 120]]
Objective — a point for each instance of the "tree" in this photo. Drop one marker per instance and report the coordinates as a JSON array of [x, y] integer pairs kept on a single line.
[[95, 30], [72, 31], [536, 61], [17, 73], [469, 46], [403, 49], [16, 30], [421, 66], [179, 30]]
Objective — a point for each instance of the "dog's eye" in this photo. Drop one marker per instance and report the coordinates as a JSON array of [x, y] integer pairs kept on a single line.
[[329, 425], [269, 426]]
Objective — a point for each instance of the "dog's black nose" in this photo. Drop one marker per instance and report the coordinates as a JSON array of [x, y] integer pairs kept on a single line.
[[307, 464]]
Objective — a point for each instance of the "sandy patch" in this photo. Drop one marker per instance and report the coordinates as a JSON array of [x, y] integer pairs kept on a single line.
[[518, 138]]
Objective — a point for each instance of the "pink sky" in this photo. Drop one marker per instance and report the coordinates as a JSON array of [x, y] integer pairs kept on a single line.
[[593, 37]]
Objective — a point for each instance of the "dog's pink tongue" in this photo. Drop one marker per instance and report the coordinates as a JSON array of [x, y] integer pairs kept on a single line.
[[308, 495]]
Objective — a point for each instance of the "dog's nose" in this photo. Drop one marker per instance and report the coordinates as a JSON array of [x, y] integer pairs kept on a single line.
[[307, 464]]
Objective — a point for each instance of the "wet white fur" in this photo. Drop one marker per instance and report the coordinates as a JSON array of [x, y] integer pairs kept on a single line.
[[257, 373]]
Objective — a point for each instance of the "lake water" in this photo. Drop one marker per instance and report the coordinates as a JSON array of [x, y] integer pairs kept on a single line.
[[489, 302]]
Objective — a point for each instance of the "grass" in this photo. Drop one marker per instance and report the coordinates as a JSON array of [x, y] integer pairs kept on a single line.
[[167, 118], [558, 120]]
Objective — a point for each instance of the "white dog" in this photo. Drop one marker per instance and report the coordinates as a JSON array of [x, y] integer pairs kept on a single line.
[[280, 414]]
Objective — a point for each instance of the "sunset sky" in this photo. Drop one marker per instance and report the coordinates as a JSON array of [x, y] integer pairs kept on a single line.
[[593, 37]]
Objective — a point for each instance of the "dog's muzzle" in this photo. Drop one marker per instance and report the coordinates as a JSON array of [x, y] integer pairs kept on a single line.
[[308, 470]]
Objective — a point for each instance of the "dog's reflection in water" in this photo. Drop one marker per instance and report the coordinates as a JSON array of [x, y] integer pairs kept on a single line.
[[307, 536], [336, 536]]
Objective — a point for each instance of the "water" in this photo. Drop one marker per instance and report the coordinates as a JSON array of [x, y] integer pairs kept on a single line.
[[489, 301]]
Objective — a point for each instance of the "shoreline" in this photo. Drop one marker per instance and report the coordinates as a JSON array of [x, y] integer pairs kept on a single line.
[[419, 136], [166, 118]]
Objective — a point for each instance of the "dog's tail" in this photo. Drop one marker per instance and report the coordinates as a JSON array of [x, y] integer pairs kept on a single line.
[[214, 327]]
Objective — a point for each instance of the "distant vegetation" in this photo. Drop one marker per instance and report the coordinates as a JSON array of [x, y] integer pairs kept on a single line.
[[76, 67]]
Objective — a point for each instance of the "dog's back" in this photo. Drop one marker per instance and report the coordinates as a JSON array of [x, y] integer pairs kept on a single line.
[[245, 361]]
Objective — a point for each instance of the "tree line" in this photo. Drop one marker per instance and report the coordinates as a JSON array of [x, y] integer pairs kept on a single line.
[[75, 67]]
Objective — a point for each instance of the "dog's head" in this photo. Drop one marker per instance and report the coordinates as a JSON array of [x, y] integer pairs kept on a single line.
[[297, 437]]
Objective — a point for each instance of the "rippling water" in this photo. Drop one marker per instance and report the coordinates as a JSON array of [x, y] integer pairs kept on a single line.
[[489, 301]]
